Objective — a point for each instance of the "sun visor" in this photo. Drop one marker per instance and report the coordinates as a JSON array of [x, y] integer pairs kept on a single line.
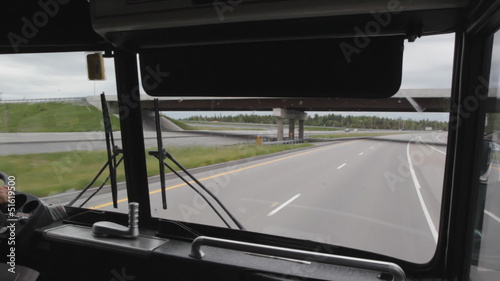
[[351, 68]]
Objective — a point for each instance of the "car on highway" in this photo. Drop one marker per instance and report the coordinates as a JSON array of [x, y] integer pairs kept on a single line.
[[124, 201]]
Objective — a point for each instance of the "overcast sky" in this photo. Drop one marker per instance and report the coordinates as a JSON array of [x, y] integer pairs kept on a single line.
[[427, 64]]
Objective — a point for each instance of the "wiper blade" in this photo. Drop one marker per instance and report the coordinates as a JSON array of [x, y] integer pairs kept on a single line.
[[112, 164], [100, 187], [161, 154], [169, 156], [163, 164], [111, 150], [92, 183], [198, 192]]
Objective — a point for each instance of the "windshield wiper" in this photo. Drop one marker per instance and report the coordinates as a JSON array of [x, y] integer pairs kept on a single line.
[[161, 154], [112, 152]]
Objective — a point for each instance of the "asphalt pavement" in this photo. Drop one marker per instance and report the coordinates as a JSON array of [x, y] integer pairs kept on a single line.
[[27, 143], [381, 195]]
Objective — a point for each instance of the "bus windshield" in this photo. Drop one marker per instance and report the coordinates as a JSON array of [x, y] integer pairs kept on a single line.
[[338, 172]]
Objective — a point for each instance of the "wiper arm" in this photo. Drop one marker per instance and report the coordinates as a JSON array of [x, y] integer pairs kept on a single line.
[[192, 187], [100, 187], [112, 151], [92, 183], [169, 156], [161, 154]]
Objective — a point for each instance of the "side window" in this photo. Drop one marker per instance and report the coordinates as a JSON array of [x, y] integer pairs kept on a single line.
[[51, 126], [485, 263]]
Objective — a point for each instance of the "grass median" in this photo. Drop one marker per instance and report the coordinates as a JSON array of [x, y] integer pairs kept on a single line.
[[316, 128], [208, 128], [353, 135], [44, 174]]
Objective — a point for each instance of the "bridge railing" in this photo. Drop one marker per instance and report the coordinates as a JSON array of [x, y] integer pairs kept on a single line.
[[78, 99]]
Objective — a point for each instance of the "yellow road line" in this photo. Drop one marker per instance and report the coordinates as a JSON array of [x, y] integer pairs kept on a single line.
[[226, 173]]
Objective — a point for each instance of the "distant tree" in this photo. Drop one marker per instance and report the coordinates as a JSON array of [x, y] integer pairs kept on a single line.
[[332, 120]]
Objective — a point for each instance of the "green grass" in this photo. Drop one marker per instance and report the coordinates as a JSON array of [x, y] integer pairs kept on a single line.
[[208, 128], [51, 173], [209, 123], [311, 128], [181, 124], [352, 135], [51, 117]]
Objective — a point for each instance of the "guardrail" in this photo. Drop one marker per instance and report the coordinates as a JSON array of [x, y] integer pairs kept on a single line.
[[284, 142], [45, 100]]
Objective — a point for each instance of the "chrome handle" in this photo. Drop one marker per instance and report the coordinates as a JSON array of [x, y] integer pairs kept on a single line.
[[383, 267], [106, 228]]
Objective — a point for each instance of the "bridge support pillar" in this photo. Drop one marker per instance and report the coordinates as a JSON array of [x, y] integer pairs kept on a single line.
[[301, 129], [291, 129], [279, 123], [291, 115]]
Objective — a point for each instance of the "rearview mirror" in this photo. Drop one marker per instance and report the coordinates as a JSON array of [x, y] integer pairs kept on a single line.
[[95, 67]]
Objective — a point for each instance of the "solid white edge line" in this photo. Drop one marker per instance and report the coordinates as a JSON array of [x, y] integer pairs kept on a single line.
[[444, 153], [439, 138], [341, 166], [492, 215], [420, 198], [283, 205]]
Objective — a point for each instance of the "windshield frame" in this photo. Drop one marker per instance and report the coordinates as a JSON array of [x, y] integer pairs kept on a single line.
[[137, 187]]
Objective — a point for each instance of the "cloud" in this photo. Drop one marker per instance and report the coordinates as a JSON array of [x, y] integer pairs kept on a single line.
[[50, 75], [495, 63], [427, 64]]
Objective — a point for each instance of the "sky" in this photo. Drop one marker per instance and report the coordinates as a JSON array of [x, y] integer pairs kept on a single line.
[[427, 64]]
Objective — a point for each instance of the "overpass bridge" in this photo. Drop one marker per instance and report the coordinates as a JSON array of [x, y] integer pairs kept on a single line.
[[293, 109], [405, 100]]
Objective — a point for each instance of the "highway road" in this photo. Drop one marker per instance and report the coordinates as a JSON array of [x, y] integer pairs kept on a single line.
[[27, 143], [381, 195]]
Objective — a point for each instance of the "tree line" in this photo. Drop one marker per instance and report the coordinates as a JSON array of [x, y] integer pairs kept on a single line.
[[334, 120]]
